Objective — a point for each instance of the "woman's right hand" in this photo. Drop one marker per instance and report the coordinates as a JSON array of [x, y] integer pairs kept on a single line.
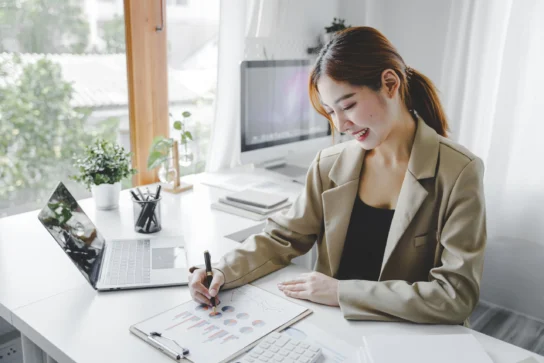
[[198, 289]]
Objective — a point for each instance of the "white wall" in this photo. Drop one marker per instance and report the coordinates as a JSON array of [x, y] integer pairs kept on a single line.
[[288, 28], [417, 28]]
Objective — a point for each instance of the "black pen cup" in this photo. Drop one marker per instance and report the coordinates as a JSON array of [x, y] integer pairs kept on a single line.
[[147, 215]]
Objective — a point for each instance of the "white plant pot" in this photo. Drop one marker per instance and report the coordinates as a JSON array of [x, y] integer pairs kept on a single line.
[[106, 196]]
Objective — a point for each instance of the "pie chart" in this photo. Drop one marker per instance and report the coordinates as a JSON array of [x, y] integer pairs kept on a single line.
[[230, 322], [258, 323], [242, 316], [228, 309]]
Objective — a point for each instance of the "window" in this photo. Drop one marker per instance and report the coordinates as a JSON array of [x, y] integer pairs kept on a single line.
[[63, 82], [192, 74]]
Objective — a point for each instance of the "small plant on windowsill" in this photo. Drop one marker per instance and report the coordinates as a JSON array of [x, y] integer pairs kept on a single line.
[[102, 168], [166, 155]]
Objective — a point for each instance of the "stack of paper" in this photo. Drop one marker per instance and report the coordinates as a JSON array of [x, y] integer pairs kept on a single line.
[[252, 204]]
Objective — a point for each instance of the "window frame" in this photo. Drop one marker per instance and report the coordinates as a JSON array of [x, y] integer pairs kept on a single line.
[[147, 77]]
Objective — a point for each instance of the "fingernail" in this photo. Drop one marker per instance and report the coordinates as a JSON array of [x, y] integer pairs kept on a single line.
[[213, 292], [208, 296]]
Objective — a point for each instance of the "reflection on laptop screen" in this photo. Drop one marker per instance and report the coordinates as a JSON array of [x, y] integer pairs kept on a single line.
[[73, 231]]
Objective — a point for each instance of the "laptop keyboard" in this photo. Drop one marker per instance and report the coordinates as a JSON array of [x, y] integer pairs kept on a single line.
[[129, 263]]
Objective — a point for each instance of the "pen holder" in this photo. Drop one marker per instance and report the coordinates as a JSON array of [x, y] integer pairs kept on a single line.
[[147, 215]]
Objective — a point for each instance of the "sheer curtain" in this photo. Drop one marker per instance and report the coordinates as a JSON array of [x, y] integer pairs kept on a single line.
[[493, 77], [241, 20]]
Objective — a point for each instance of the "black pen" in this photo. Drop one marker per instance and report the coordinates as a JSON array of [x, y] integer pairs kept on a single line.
[[209, 275]]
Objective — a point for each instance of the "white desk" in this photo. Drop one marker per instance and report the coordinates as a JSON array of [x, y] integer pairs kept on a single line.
[[44, 296]]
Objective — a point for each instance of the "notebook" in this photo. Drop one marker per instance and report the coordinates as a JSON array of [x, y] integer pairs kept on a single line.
[[244, 316], [241, 212], [252, 208], [451, 348], [257, 198]]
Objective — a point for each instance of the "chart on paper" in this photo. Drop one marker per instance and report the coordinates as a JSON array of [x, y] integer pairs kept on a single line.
[[245, 315]]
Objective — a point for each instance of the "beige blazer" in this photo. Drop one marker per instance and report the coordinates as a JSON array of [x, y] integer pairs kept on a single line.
[[434, 254]]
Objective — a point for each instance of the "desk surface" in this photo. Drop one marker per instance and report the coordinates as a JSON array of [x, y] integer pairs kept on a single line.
[[48, 300]]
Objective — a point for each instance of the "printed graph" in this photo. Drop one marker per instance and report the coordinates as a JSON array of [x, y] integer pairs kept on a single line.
[[241, 295], [218, 335], [210, 329], [242, 316], [230, 322], [228, 309], [215, 315], [200, 324], [246, 330], [258, 323], [187, 318], [229, 338]]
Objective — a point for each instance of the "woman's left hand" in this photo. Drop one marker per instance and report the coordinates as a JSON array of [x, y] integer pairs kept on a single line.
[[313, 286]]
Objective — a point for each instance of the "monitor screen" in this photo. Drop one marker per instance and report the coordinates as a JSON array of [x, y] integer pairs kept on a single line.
[[74, 232], [275, 106]]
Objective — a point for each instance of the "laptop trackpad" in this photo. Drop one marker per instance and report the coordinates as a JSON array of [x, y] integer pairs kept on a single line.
[[167, 258]]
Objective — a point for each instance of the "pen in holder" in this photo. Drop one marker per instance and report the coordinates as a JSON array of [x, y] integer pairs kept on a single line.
[[147, 214]]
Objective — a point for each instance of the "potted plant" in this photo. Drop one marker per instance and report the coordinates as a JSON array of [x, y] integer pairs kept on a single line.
[[337, 25], [185, 154], [101, 169], [164, 153]]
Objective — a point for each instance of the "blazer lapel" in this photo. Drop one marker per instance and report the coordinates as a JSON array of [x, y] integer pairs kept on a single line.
[[338, 201], [422, 165]]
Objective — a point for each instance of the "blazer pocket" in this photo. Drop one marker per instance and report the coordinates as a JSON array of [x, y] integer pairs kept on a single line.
[[421, 240]]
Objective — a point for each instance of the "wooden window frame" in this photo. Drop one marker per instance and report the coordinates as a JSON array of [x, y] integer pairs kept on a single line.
[[147, 76]]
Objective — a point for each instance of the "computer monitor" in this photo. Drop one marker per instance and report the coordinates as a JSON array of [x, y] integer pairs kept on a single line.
[[277, 118]]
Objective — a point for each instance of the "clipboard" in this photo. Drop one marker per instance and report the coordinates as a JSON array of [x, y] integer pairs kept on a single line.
[[189, 333]]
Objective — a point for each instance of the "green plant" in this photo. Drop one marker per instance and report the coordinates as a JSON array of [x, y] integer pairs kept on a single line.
[[181, 126], [103, 163], [337, 25], [160, 151], [160, 148]]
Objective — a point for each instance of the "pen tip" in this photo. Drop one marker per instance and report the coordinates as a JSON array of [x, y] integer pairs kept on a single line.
[[214, 310]]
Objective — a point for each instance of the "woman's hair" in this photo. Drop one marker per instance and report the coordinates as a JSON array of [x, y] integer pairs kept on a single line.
[[358, 56]]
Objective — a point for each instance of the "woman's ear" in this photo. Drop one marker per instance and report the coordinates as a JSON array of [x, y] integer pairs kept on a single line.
[[390, 82]]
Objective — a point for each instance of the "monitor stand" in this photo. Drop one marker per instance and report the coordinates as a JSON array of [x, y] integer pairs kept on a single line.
[[280, 166]]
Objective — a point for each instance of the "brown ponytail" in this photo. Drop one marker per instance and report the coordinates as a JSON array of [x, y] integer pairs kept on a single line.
[[358, 56], [422, 96]]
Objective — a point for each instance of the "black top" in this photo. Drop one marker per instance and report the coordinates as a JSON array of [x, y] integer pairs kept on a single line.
[[365, 242]]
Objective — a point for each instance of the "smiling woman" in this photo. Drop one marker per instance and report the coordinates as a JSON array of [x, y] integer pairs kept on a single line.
[[397, 213]]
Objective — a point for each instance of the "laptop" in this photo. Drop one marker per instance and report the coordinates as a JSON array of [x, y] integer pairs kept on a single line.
[[112, 264]]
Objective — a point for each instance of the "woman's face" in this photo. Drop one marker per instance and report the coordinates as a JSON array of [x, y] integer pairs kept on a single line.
[[358, 111]]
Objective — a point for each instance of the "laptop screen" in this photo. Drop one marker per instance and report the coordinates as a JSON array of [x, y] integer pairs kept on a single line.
[[74, 232]]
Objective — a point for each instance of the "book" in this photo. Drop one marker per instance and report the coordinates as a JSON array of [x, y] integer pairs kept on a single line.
[[240, 212], [253, 208], [257, 198], [244, 316]]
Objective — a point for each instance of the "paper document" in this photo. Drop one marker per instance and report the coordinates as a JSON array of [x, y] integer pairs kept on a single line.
[[334, 350], [245, 315]]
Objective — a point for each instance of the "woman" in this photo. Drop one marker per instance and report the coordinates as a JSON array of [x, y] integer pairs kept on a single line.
[[398, 214]]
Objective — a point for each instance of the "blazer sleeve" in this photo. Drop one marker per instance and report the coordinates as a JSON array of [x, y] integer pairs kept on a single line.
[[453, 288], [286, 235]]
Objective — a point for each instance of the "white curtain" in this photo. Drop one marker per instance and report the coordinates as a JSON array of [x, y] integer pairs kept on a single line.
[[239, 20], [492, 81], [225, 139]]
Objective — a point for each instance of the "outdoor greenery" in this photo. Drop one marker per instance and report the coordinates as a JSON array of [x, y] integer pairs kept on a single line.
[[39, 130], [44, 26], [114, 35], [103, 163]]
